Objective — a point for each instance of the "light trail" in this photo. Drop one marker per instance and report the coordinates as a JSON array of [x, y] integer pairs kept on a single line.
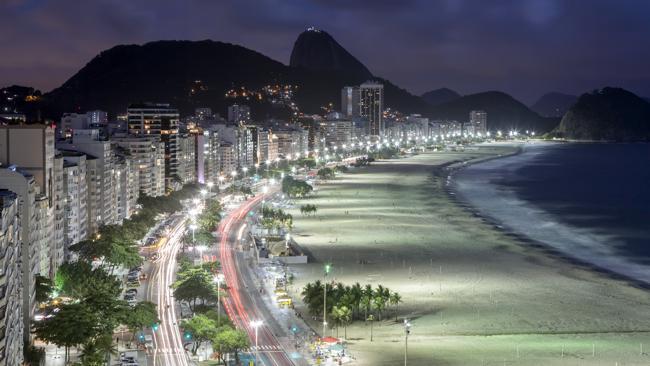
[[241, 314], [168, 343]]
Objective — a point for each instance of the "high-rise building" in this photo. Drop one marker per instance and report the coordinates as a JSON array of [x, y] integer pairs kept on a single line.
[[81, 121], [186, 158], [159, 120], [371, 105], [350, 101], [31, 235], [31, 147], [75, 200], [11, 317], [148, 155], [239, 114], [478, 121], [227, 159], [207, 155], [102, 205], [336, 130]]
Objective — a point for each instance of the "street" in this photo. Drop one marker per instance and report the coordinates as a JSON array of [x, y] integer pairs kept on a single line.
[[242, 308], [167, 340]]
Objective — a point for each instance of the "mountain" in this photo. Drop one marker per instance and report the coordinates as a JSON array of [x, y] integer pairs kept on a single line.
[[439, 96], [316, 50], [191, 74], [553, 104], [165, 71], [503, 112], [607, 114]]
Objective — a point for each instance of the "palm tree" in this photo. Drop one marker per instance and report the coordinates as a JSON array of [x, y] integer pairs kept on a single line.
[[356, 291], [366, 304], [312, 295], [345, 318], [378, 304], [395, 299]]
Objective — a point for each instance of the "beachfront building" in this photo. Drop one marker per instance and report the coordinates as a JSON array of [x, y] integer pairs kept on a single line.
[[148, 155], [11, 318], [33, 232]]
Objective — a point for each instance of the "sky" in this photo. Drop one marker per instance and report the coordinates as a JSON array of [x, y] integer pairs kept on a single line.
[[522, 47]]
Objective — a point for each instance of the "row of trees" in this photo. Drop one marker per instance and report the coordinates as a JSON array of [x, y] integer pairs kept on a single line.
[[349, 303], [295, 188], [276, 219], [116, 245], [308, 209], [90, 318], [196, 283], [207, 327]]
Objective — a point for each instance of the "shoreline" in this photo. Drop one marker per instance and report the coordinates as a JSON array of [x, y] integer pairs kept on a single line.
[[547, 249], [465, 283]]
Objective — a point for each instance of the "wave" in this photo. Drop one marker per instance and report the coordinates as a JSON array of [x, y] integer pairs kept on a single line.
[[479, 186]]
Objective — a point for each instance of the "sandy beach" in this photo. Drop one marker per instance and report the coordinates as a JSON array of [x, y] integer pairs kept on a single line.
[[475, 295]]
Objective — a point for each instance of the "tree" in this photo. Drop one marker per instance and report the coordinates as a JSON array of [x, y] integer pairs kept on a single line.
[[143, 314], [202, 328], [78, 279], [72, 326], [312, 296], [43, 288], [230, 340], [395, 299], [308, 209], [326, 173], [95, 351], [197, 285], [341, 315]]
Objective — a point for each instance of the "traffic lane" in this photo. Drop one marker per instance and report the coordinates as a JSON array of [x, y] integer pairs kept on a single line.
[[234, 304]]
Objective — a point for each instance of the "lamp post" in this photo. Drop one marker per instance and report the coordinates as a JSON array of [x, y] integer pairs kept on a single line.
[[218, 279], [210, 184], [256, 324], [201, 248], [328, 267], [193, 228], [407, 331]]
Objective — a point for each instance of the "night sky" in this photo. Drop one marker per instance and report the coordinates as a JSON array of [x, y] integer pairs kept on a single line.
[[523, 47]]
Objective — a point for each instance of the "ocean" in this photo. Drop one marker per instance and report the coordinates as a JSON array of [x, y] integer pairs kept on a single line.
[[589, 201]]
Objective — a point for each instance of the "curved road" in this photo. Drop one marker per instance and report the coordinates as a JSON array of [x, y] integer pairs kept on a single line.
[[168, 342], [242, 304]]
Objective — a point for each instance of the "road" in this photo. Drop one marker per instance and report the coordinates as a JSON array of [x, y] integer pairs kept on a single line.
[[168, 343], [242, 303]]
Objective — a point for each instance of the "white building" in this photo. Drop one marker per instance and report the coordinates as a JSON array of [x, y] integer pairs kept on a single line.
[[350, 101], [75, 199], [24, 185], [335, 130], [148, 154], [187, 158], [207, 155], [227, 159], [101, 179], [11, 318], [478, 122], [81, 121]]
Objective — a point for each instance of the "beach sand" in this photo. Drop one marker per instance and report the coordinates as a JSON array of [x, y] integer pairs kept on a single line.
[[474, 295]]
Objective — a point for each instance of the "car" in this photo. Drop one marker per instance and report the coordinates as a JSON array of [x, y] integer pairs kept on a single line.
[[132, 284], [131, 291], [129, 297]]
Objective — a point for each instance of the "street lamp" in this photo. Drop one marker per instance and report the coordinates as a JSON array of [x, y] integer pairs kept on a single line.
[[193, 228], [407, 331], [200, 248], [218, 279], [328, 267], [210, 184], [256, 324], [203, 193]]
